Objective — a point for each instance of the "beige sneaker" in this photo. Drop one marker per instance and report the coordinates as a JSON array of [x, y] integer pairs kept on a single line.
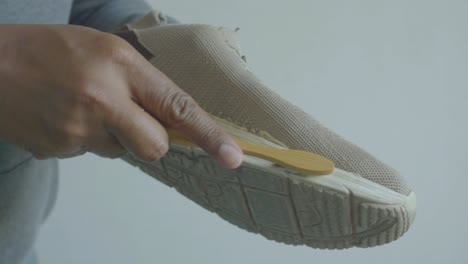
[[363, 203]]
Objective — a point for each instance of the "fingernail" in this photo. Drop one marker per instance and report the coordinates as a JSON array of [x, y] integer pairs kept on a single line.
[[231, 157]]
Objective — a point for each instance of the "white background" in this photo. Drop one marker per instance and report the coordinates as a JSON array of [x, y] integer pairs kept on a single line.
[[390, 76]]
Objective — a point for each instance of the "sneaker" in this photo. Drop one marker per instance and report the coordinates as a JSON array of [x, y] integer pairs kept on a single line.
[[362, 203]]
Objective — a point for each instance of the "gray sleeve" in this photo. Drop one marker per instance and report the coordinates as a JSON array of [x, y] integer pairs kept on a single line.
[[107, 15]]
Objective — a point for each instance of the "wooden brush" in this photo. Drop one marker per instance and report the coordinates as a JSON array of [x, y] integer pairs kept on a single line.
[[302, 161]]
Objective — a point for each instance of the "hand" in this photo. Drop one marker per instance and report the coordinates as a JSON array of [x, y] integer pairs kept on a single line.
[[66, 90]]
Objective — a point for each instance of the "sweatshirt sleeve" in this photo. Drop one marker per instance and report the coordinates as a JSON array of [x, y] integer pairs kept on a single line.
[[107, 15]]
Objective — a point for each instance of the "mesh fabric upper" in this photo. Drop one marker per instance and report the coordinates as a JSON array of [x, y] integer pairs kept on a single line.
[[205, 62]]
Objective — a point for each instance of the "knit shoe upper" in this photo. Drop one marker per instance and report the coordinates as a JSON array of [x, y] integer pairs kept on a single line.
[[206, 62]]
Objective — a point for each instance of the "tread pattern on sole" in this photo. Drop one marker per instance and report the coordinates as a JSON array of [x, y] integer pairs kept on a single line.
[[276, 206]]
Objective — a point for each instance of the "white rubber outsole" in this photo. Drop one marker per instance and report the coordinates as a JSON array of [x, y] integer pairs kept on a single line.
[[336, 211]]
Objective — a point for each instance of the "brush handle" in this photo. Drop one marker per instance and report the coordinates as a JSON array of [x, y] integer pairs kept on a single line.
[[298, 160]]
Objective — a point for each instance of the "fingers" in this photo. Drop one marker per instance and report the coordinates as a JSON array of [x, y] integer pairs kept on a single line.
[[174, 108], [179, 111], [81, 151], [138, 132], [107, 146], [43, 156]]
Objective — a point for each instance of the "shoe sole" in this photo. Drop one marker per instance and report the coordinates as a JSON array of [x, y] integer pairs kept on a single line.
[[336, 211]]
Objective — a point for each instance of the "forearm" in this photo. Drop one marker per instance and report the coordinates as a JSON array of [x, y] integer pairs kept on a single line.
[[107, 15]]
